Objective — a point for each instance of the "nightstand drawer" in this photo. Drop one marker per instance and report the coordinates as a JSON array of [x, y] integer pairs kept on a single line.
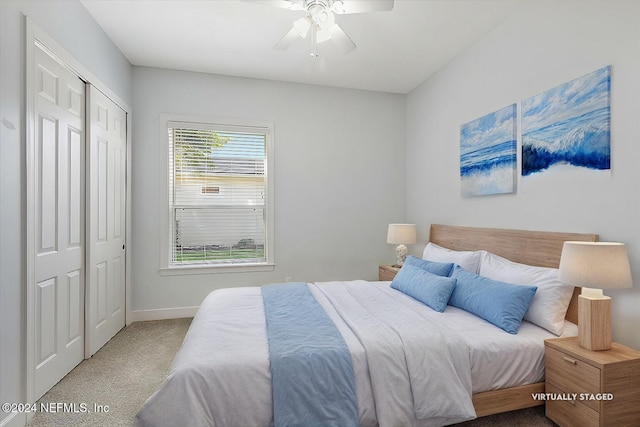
[[614, 375], [570, 413], [571, 375]]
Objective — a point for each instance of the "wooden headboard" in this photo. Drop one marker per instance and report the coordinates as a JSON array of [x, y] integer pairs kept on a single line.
[[541, 248]]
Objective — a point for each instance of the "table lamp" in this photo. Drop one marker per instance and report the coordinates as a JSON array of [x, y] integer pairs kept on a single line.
[[401, 235], [595, 266]]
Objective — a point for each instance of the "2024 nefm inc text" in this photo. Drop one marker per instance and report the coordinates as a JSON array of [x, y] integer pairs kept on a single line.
[[56, 407]]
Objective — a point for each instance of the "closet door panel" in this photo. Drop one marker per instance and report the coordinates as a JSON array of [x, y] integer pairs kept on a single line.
[[106, 235], [59, 221]]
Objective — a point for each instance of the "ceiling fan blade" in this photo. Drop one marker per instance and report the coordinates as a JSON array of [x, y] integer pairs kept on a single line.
[[341, 39], [282, 4], [362, 6], [287, 40]]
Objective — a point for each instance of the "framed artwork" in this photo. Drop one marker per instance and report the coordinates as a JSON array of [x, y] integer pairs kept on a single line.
[[488, 154], [569, 125]]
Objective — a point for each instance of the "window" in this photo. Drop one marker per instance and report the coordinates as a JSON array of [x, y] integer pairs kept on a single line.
[[219, 195]]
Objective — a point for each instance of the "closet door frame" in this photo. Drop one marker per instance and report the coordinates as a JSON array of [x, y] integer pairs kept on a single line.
[[33, 35]]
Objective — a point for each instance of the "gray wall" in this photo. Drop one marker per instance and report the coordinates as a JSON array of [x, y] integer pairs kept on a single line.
[[339, 178], [527, 54], [72, 27]]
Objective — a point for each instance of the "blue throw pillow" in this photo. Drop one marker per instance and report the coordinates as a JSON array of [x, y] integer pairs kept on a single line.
[[438, 268], [503, 304], [428, 288]]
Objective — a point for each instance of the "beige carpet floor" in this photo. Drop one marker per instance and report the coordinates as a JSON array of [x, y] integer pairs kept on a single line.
[[117, 380], [121, 375]]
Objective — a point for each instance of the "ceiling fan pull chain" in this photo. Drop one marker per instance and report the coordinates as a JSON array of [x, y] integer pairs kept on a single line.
[[314, 45]]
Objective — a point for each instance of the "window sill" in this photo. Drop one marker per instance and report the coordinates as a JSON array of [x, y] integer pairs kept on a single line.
[[213, 269]]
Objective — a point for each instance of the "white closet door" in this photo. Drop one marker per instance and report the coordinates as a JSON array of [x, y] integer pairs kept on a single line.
[[59, 221], [106, 214]]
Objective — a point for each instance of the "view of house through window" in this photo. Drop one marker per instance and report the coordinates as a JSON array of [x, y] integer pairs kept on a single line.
[[217, 194]]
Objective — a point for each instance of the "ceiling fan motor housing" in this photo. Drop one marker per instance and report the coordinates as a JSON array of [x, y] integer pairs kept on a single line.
[[335, 5], [320, 12]]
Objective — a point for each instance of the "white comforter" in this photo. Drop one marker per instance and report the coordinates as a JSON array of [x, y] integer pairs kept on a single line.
[[410, 368]]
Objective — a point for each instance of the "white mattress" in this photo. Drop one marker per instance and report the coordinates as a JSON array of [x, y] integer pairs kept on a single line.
[[498, 359], [221, 377]]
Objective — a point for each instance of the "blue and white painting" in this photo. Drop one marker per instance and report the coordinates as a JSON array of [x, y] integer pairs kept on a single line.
[[568, 125], [488, 154]]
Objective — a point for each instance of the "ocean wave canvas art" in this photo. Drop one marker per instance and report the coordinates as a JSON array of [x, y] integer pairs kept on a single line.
[[568, 125], [488, 154]]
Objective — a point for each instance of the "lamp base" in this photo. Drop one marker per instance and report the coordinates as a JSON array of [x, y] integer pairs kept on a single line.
[[401, 255], [594, 322]]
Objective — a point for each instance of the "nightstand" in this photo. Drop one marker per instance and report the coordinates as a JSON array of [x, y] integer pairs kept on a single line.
[[591, 388], [387, 272]]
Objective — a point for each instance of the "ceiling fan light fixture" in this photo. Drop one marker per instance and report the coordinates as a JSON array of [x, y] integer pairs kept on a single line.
[[322, 35], [324, 20], [302, 26], [321, 21]]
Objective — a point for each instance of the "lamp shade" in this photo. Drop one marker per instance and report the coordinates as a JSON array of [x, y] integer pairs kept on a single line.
[[401, 234], [602, 265]]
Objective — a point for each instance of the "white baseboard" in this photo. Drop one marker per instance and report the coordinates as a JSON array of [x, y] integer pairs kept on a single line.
[[162, 314], [15, 419]]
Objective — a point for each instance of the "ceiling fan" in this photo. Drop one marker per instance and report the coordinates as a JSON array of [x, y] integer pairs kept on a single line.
[[320, 21]]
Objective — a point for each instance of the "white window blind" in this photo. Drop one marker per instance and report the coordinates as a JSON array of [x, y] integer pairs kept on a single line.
[[229, 225]]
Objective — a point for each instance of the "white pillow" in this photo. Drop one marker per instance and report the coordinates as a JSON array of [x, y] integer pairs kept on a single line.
[[469, 260], [549, 304]]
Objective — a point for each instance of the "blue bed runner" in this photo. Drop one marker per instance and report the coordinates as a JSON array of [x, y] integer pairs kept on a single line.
[[311, 370]]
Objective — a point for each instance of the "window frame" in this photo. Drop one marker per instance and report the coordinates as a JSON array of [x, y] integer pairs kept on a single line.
[[171, 120]]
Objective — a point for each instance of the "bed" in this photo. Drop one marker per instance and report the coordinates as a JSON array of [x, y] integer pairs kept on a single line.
[[221, 376]]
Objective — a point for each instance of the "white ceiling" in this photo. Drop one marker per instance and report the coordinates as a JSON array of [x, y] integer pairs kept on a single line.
[[395, 51]]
